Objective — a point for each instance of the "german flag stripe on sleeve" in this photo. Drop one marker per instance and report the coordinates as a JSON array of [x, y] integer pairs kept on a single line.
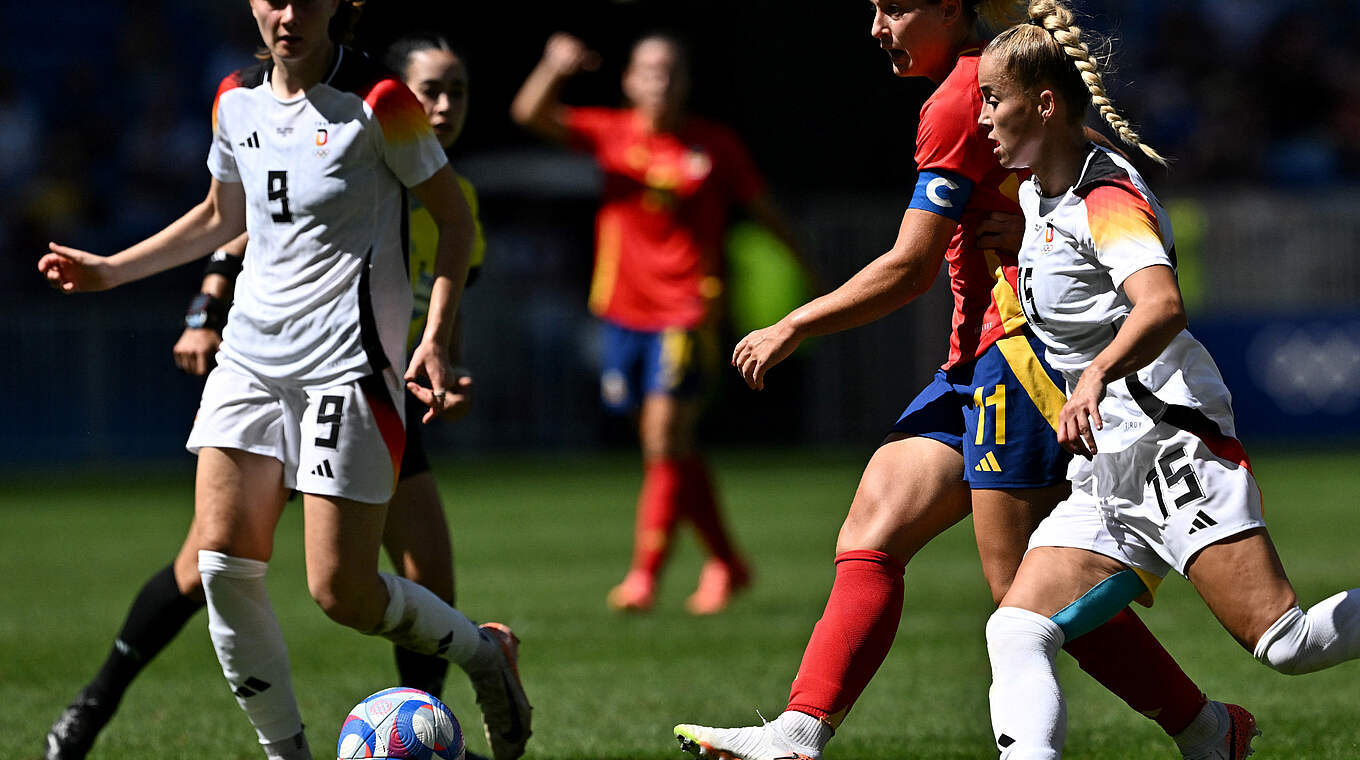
[[1120, 216], [398, 112], [229, 82]]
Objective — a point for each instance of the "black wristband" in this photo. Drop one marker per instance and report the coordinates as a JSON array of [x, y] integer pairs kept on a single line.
[[226, 264], [206, 312]]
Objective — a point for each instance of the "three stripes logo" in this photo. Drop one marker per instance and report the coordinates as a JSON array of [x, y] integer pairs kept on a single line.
[[988, 464], [1201, 522], [251, 142], [251, 687], [324, 470]]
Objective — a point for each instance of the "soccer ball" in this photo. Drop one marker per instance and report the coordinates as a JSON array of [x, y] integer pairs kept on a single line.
[[402, 724]]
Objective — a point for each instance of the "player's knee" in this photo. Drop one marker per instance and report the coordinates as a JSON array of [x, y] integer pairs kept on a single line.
[[1013, 633], [1289, 646], [342, 605]]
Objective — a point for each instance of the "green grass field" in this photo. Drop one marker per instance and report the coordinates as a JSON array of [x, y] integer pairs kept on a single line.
[[540, 540]]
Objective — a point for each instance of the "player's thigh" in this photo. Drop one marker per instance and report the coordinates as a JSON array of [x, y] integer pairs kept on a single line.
[[1243, 581], [1053, 577], [911, 491], [1002, 523], [416, 534], [679, 367], [666, 425], [342, 539], [238, 499]]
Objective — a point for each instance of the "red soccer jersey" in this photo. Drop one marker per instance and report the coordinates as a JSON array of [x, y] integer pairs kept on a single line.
[[661, 221], [950, 139]]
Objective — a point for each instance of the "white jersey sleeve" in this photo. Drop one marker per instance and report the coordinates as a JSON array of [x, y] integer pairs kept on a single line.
[[406, 141]]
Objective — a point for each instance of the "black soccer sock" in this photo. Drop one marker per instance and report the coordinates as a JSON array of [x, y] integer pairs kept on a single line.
[[157, 615], [421, 671]]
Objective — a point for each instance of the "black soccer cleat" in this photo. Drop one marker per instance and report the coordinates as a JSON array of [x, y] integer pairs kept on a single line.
[[75, 730]]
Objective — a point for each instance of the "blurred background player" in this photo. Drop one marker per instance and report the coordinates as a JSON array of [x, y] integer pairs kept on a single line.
[[416, 536], [979, 438], [671, 182], [303, 395], [1161, 481]]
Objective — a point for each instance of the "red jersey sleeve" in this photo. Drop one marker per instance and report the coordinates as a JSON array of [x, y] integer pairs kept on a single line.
[[949, 137], [589, 127]]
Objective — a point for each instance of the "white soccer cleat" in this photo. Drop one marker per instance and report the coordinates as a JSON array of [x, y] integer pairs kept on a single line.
[[1235, 743], [505, 708], [764, 742]]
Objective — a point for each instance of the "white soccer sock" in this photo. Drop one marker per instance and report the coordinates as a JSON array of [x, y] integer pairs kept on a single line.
[[1328, 634], [806, 732], [1029, 715], [294, 748], [422, 622], [249, 644]]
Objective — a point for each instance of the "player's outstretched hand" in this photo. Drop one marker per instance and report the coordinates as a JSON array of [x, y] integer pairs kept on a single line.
[[196, 349], [1080, 416], [762, 349], [1001, 232], [430, 362], [568, 55], [70, 270]]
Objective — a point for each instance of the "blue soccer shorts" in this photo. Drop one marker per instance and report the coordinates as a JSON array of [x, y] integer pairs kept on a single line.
[[637, 363], [1000, 411]]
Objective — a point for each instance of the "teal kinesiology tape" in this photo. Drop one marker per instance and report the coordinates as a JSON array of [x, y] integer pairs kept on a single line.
[[1098, 605]]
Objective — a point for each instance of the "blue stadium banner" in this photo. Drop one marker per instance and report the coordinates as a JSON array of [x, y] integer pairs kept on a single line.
[[1292, 376]]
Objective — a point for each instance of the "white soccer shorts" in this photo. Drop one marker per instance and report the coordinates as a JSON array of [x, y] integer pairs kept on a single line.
[[344, 441], [1155, 505]]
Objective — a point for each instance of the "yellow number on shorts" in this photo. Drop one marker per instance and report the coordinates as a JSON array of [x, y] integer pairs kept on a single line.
[[998, 400]]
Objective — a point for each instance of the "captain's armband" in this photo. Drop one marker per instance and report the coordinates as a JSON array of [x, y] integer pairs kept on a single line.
[[943, 193]]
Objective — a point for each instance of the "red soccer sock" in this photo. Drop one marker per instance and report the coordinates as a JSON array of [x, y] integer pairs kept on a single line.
[[658, 509], [1127, 659], [853, 637], [701, 506]]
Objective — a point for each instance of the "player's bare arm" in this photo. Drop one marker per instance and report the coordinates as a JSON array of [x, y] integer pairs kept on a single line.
[[1158, 315], [536, 106], [214, 222], [886, 284], [430, 360]]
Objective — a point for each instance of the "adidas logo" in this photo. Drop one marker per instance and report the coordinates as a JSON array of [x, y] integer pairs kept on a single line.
[[1201, 522], [324, 469], [251, 687], [251, 142], [988, 464]]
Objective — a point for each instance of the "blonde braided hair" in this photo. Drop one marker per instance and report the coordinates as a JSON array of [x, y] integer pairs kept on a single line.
[[1050, 50]]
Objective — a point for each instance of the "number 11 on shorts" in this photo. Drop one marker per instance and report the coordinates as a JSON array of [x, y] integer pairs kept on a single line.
[[996, 400]]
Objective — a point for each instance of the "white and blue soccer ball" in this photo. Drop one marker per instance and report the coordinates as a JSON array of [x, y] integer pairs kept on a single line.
[[401, 724]]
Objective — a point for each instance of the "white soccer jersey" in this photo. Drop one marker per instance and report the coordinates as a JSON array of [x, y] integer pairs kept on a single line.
[[1073, 262], [324, 296]]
